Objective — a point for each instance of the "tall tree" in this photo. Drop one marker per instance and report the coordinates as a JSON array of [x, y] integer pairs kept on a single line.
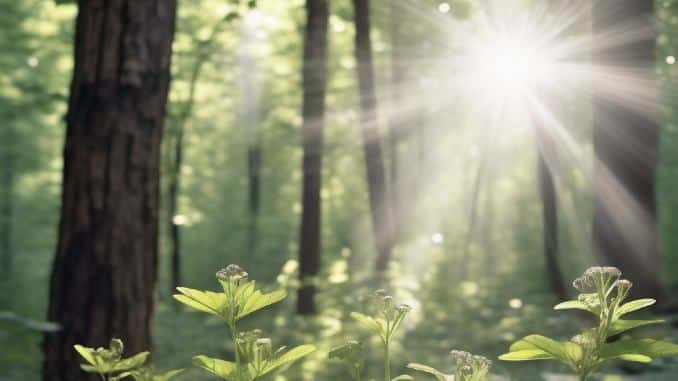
[[104, 273], [249, 86], [313, 112], [382, 223], [549, 201], [7, 199], [203, 53], [625, 143], [397, 122]]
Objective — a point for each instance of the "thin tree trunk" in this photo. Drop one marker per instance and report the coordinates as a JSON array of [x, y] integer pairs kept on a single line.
[[7, 180], [376, 172], [203, 54], [397, 120], [105, 267], [625, 144], [549, 201], [250, 91], [314, 84], [473, 216], [174, 223]]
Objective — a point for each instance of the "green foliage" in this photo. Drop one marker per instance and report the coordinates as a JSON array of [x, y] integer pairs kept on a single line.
[[351, 353], [467, 367], [384, 324], [602, 293], [254, 354], [109, 364]]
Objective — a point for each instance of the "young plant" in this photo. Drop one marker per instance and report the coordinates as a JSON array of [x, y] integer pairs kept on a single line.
[[602, 293], [351, 353], [467, 367], [254, 355], [385, 324], [109, 364]]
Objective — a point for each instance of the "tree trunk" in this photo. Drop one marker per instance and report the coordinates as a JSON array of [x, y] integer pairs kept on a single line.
[[397, 119], [314, 84], [202, 55], [250, 91], [625, 145], [7, 180], [376, 172], [104, 273], [549, 201], [473, 216], [174, 223]]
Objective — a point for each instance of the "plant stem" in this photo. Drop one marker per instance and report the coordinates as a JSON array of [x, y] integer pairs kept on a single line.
[[387, 361]]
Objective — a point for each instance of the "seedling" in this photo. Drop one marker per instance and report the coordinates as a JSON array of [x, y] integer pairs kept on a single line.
[[602, 293], [110, 366], [254, 355], [385, 324], [467, 367], [351, 353]]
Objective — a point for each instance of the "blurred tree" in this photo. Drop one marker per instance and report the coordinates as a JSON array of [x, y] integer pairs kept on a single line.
[[203, 52], [549, 201], [103, 279], [626, 143], [313, 113], [7, 200], [382, 223], [397, 121], [249, 86]]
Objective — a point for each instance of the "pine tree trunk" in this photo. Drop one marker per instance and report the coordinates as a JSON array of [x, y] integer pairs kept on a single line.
[[314, 78], [104, 273], [376, 172], [626, 145]]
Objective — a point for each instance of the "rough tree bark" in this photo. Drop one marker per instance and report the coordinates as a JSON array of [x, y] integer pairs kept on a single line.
[[104, 273], [626, 144], [313, 112], [376, 172]]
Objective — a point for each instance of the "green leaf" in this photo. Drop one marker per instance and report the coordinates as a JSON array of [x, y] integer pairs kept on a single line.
[[289, 357], [89, 368], [537, 347], [573, 305], [403, 377], [205, 301], [367, 322], [167, 375], [620, 325], [636, 358], [440, 376], [526, 355], [221, 368], [634, 305], [257, 301], [131, 362], [647, 347], [86, 353], [574, 352]]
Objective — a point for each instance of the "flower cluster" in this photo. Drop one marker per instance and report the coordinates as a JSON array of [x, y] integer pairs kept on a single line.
[[469, 366], [596, 278], [232, 274], [389, 310]]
